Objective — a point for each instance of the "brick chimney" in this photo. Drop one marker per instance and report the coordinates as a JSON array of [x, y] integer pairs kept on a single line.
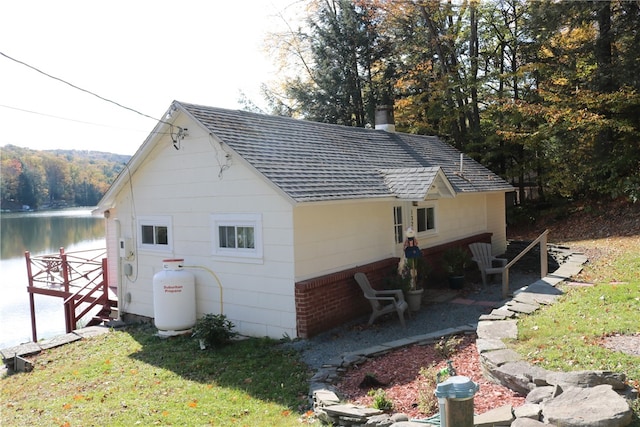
[[384, 118]]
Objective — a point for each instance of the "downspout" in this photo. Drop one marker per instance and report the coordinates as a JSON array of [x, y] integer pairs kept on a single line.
[[116, 222]]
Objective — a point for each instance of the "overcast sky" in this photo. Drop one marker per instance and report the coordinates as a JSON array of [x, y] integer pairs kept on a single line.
[[142, 54]]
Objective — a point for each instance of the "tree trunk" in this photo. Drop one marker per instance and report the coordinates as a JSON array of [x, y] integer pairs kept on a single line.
[[605, 82], [474, 121]]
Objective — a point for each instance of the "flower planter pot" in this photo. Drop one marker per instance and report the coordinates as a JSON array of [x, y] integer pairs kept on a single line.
[[414, 299], [456, 282]]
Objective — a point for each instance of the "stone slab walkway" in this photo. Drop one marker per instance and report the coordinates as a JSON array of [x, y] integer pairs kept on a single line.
[[13, 356]]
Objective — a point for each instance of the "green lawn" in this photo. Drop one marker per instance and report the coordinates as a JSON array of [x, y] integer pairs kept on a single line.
[[567, 335], [132, 377]]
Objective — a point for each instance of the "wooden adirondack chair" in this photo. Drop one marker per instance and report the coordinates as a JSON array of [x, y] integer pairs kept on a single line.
[[487, 263], [382, 302]]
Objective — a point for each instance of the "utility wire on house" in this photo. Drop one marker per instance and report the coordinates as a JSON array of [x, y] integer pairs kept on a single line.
[[87, 91]]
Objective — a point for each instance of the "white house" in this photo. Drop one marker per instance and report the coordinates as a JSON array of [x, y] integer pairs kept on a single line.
[[284, 211]]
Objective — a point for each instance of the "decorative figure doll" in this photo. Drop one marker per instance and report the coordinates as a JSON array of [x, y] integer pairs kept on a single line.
[[412, 252], [411, 249]]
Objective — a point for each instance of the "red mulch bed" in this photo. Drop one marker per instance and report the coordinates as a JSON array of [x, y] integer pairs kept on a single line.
[[400, 370]]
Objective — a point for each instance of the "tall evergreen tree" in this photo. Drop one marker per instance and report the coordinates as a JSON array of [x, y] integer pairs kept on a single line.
[[337, 85]]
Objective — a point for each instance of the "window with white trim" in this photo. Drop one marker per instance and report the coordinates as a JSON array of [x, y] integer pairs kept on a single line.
[[237, 235], [425, 219], [154, 233]]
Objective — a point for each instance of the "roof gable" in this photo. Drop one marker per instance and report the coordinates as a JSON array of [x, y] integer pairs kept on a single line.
[[416, 184]]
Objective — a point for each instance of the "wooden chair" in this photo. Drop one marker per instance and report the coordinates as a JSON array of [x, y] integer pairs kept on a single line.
[[382, 302], [487, 263]]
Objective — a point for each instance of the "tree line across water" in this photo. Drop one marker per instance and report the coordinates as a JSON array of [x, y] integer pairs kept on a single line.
[[32, 179], [544, 93]]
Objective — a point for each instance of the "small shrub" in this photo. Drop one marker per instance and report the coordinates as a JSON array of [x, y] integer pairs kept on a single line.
[[400, 276], [427, 400], [524, 214], [214, 329], [380, 400], [395, 280], [447, 346], [455, 261]]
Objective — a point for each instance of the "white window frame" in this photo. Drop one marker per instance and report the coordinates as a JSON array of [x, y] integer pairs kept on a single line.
[[155, 221], [252, 220], [428, 231]]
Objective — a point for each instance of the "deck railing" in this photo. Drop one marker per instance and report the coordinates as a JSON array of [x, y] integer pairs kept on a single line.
[[544, 265], [80, 278], [94, 294]]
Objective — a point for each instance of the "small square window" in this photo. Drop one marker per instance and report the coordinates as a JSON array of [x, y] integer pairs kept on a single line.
[[237, 235], [154, 233], [426, 219]]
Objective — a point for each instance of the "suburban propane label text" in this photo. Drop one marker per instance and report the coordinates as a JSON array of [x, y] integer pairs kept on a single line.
[[172, 289]]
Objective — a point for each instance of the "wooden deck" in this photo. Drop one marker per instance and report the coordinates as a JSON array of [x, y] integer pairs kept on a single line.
[[80, 279]]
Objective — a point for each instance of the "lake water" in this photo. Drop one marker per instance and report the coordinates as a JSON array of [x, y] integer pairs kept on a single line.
[[39, 233]]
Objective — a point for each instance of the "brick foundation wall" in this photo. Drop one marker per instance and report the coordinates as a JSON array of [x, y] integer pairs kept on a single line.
[[326, 302], [329, 301]]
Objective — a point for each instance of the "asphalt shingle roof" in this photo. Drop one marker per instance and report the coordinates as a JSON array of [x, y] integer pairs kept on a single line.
[[313, 161]]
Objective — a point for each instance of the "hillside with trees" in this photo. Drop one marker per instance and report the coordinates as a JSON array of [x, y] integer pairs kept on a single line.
[[55, 178], [545, 93]]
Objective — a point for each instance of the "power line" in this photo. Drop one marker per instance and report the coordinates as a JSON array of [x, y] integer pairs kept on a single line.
[[85, 90], [66, 118]]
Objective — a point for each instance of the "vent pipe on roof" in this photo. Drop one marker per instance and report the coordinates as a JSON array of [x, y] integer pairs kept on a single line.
[[384, 118]]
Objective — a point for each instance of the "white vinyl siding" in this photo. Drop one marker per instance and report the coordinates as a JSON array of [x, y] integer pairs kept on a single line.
[[333, 237], [183, 186]]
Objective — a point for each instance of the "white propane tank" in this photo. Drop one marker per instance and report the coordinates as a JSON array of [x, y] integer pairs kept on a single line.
[[174, 299]]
